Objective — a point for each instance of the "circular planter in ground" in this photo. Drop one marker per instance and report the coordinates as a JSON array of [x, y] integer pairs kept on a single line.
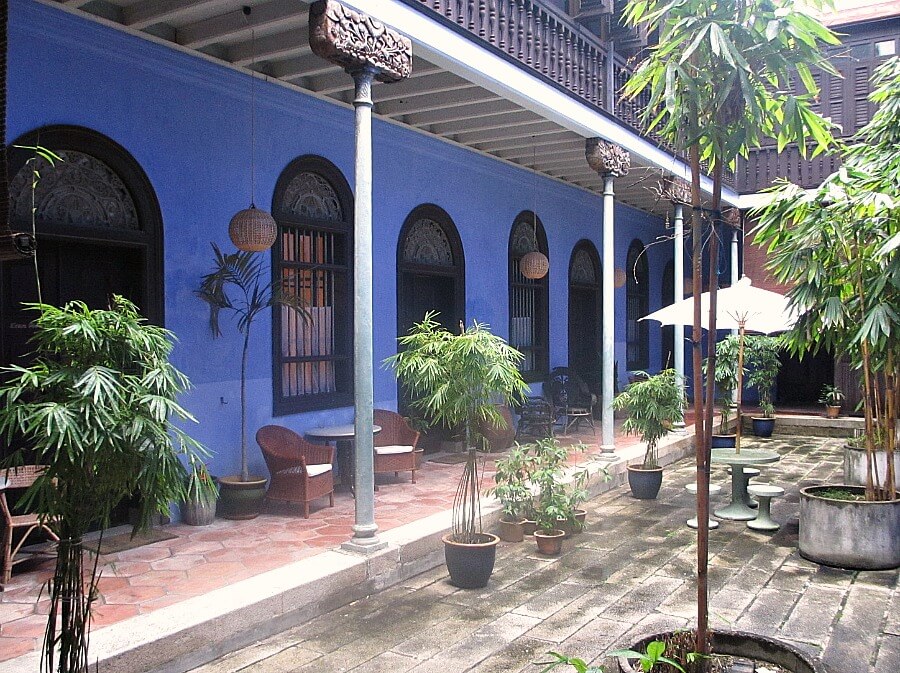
[[470, 563], [743, 645], [644, 484], [855, 466], [763, 426], [241, 499], [549, 544], [724, 441], [856, 535], [511, 531]]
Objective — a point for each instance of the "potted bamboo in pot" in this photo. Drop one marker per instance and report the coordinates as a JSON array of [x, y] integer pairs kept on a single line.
[[455, 380], [198, 508], [725, 377], [765, 363], [652, 406], [511, 479], [848, 231], [236, 285]]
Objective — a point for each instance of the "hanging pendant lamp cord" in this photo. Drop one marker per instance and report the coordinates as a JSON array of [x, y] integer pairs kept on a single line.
[[253, 119]]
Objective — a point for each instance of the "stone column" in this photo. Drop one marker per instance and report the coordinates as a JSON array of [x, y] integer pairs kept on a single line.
[[732, 218], [610, 161], [368, 51], [679, 193]]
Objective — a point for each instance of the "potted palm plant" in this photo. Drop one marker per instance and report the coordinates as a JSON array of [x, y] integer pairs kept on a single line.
[[848, 231], [832, 397], [98, 408], [652, 406], [764, 363], [456, 380], [236, 285]]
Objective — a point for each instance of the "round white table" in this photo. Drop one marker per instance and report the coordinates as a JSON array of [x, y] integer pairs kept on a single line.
[[737, 510], [343, 437]]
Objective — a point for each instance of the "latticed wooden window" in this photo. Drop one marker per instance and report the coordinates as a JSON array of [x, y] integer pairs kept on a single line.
[[637, 305], [313, 257], [528, 303]]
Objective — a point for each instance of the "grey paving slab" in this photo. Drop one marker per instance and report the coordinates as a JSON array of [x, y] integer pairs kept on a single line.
[[632, 572]]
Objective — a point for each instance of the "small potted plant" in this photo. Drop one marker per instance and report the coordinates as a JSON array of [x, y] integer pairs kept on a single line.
[[198, 507], [553, 506], [511, 479], [653, 406], [456, 380], [765, 363], [726, 378], [832, 397]]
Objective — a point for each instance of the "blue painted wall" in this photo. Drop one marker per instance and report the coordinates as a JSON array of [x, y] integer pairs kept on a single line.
[[186, 121]]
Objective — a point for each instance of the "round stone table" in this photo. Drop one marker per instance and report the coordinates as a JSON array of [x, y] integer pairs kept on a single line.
[[737, 510], [343, 436]]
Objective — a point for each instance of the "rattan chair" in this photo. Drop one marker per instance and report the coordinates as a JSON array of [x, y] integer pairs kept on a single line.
[[18, 478], [396, 445], [300, 470]]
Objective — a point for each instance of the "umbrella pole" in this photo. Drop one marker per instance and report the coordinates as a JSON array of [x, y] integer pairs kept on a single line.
[[740, 386]]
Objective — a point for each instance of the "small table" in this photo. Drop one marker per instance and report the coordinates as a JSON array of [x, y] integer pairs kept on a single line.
[[737, 510], [343, 437]]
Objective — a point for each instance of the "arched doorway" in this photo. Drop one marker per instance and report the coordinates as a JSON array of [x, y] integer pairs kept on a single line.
[[667, 354], [585, 314], [637, 305], [431, 272], [98, 226]]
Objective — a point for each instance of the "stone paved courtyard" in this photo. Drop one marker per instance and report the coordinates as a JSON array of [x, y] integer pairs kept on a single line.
[[630, 573]]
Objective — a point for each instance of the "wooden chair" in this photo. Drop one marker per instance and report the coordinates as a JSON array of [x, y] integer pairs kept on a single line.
[[18, 478], [301, 471], [396, 445]]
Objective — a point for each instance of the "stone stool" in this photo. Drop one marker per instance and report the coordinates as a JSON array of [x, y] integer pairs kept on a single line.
[[692, 489], [748, 474], [764, 493]]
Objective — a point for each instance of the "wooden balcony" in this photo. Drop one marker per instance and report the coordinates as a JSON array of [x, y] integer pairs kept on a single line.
[[766, 164]]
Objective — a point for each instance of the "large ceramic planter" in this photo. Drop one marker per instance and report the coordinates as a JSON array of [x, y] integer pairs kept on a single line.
[[644, 484], [549, 544], [855, 466], [763, 426], [511, 531], [724, 441], [742, 645], [241, 499], [856, 535], [470, 564]]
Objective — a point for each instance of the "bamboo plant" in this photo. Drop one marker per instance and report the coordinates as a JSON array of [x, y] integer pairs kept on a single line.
[[653, 406], [764, 363], [455, 380], [837, 245], [98, 408]]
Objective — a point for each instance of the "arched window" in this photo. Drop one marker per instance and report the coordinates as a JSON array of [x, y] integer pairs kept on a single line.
[[528, 302], [585, 313], [313, 354], [637, 305]]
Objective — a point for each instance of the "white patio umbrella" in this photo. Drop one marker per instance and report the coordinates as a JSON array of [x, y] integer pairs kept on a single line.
[[742, 307]]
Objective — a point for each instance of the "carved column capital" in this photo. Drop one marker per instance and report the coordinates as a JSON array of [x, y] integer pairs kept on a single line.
[[356, 41], [732, 217], [608, 159], [676, 190]]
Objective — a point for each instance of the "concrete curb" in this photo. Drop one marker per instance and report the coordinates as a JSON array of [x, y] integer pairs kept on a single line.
[[188, 634]]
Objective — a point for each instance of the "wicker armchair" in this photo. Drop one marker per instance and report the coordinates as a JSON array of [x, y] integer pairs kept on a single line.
[[18, 478], [301, 471], [395, 445]]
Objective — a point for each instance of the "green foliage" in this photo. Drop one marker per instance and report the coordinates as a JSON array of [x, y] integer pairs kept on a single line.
[[236, 284], [836, 246], [655, 654], [832, 396], [200, 487], [726, 373], [511, 479], [454, 379], [653, 406], [580, 665], [762, 357], [98, 407]]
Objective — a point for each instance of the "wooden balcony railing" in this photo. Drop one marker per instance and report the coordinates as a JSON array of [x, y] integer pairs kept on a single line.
[[766, 164]]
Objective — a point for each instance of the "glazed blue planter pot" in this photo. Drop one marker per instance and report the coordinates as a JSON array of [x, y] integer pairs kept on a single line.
[[763, 427], [723, 441]]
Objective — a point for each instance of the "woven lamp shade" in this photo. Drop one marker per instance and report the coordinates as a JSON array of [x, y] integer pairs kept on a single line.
[[252, 230], [534, 265]]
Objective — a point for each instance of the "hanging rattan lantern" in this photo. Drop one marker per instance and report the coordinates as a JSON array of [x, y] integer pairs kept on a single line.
[[619, 278], [534, 265], [252, 230]]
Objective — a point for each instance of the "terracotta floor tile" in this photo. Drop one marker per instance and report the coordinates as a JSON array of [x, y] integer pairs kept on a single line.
[[132, 595], [31, 626], [180, 562], [157, 578], [109, 614], [11, 648]]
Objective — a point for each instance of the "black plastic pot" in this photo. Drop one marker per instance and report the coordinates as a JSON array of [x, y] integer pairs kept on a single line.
[[763, 427], [470, 564], [645, 484]]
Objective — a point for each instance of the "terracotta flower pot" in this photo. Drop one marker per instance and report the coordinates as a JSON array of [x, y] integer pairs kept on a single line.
[[549, 544], [511, 531]]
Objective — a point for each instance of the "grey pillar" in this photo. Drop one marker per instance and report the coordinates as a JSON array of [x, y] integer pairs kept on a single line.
[[679, 294], [365, 529], [608, 433]]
